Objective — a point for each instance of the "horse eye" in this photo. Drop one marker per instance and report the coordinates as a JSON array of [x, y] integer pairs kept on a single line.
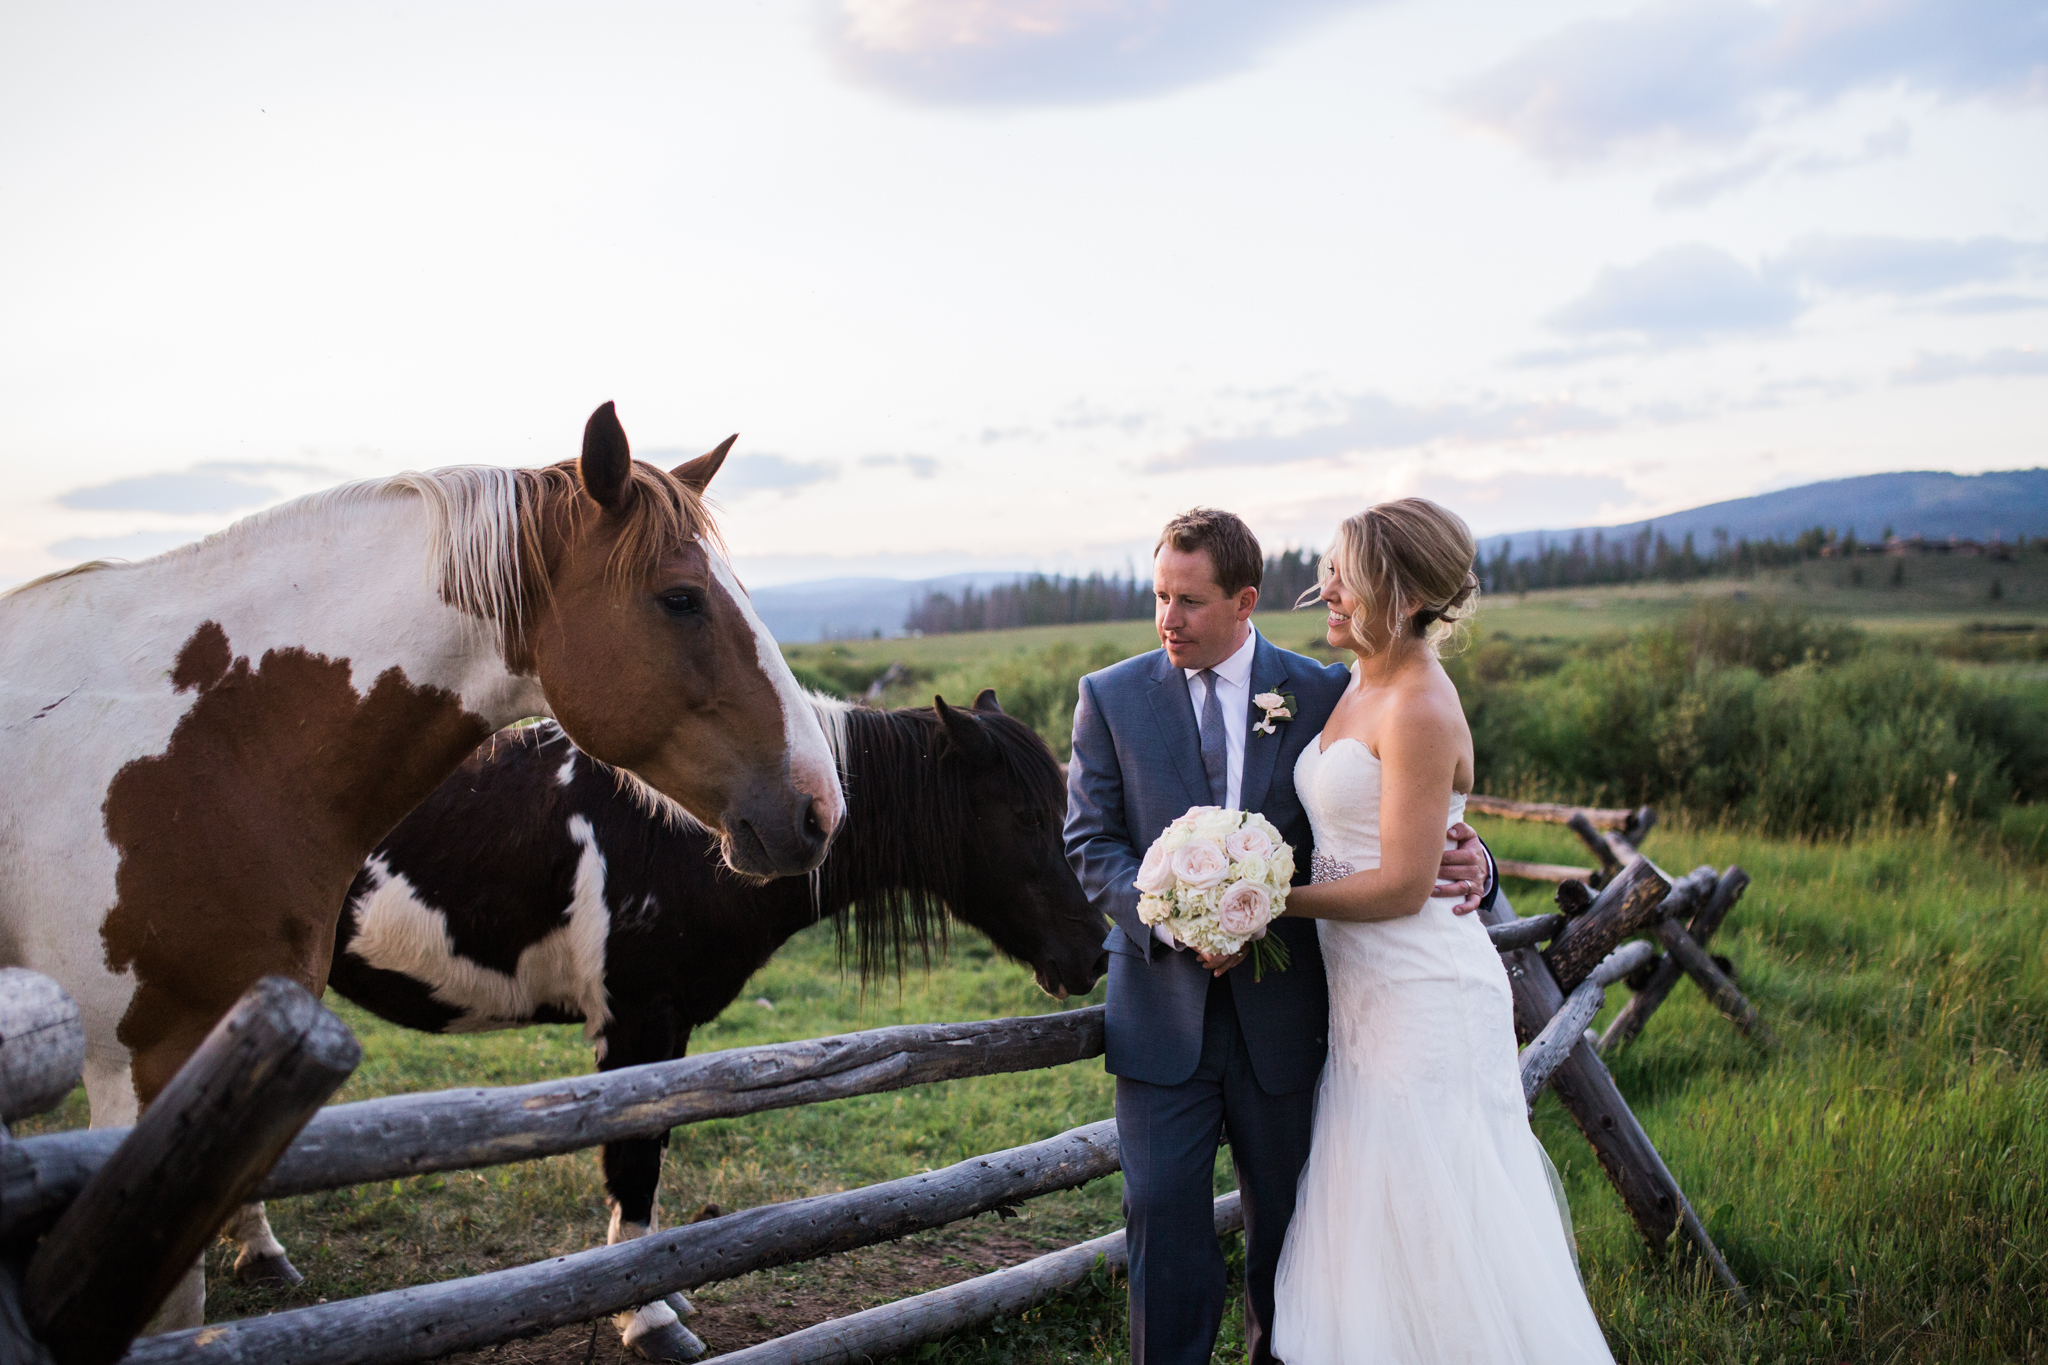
[[681, 602]]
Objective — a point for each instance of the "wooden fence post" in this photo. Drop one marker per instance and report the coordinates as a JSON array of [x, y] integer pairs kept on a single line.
[[200, 1150], [42, 1044], [1548, 1049], [1625, 1025], [1648, 1190], [1632, 901], [42, 1055]]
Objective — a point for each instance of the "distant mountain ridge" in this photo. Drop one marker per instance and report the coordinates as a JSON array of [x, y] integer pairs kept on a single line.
[[2007, 504], [836, 608]]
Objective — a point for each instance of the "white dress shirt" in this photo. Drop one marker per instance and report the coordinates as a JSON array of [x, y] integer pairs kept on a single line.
[[1234, 692], [1234, 695]]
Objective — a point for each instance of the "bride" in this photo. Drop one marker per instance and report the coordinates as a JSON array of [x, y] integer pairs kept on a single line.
[[1426, 1228]]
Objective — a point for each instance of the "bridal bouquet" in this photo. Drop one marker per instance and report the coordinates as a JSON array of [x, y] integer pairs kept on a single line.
[[1216, 878]]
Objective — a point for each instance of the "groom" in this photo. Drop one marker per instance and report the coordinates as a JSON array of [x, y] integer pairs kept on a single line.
[[1197, 1046]]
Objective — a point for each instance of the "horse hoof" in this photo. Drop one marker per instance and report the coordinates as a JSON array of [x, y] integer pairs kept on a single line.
[[267, 1272], [673, 1342], [680, 1306]]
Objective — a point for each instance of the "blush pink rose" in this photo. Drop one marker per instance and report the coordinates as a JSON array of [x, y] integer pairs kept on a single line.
[[1200, 864], [1155, 874], [1244, 910], [1249, 841]]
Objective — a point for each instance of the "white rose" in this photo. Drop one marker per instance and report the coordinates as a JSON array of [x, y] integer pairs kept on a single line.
[[1155, 874], [1216, 823], [1153, 909], [1244, 910], [1176, 834], [1251, 868], [1200, 864], [1248, 842]]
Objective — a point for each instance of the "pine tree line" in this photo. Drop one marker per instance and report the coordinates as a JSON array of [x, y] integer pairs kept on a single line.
[[1056, 600]]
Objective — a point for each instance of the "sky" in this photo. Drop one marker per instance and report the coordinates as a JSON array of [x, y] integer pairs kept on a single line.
[[992, 284]]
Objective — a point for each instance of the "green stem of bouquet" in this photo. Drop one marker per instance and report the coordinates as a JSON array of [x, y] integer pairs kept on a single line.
[[1268, 953]]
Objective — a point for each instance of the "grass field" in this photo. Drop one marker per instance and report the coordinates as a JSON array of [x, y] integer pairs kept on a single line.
[[1877, 1182]]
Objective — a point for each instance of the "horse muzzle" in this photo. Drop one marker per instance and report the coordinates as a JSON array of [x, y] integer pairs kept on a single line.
[[779, 837]]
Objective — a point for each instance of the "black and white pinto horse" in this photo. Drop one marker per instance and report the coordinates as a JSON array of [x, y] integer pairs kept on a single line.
[[538, 885]]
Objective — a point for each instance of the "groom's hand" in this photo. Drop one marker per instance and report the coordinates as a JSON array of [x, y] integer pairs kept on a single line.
[[1463, 872], [1219, 963]]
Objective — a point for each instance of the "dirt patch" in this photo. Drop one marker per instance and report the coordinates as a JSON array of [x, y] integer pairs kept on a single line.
[[773, 1303]]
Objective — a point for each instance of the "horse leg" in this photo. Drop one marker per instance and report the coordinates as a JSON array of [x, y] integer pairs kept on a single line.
[[261, 1263], [632, 1171], [632, 1175], [110, 1095]]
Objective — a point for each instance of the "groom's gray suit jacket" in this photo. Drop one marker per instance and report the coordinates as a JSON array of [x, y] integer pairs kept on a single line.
[[1137, 765]]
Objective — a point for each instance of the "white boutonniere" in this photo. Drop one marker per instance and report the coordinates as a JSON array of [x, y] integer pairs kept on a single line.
[[1278, 706]]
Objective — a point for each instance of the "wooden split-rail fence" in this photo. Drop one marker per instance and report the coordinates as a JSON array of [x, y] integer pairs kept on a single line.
[[97, 1226]]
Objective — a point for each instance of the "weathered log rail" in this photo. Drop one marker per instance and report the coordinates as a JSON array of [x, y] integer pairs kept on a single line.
[[455, 1315], [47, 1182], [446, 1130]]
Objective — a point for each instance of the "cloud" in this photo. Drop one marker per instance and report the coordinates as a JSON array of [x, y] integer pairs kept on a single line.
[[1905, 267], [1055, 52], [771, 473], [1512, 500], [207, 488], [1681, 294], [1704, 186], [920, 466], [1374, 422], [2004, 363], [751, 473], [1710, 72], [1687, 294], [135, 545], [1980, 305]]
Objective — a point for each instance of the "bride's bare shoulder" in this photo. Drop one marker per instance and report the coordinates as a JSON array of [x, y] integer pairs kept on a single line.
[[1427, 698]]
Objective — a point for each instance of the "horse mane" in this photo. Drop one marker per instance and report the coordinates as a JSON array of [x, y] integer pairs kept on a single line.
[[909, 829], [486, 544], [487, 522]]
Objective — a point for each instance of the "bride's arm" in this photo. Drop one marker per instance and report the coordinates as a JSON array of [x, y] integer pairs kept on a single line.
[[1419, 750]]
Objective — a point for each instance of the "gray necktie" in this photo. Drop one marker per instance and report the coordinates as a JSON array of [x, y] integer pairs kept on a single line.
[[1215, 760]]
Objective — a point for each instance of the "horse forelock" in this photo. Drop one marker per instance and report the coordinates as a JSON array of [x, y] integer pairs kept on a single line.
[[490, 532]]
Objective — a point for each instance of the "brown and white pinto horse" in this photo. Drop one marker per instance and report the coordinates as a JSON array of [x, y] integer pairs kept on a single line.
[[204, 746]]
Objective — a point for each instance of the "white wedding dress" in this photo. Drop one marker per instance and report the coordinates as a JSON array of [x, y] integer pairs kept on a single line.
[[1427, 1228]]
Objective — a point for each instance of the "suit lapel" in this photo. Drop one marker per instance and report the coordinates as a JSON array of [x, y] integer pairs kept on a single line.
[[1174, 710], [1261, 752]]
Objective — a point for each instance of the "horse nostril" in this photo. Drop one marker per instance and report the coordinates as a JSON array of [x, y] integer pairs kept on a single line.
[[814, 828]]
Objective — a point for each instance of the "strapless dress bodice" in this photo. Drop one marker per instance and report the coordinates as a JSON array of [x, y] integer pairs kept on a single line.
[[1339, 787]]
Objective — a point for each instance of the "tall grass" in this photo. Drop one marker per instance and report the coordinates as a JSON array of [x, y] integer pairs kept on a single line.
[[1756, 715]]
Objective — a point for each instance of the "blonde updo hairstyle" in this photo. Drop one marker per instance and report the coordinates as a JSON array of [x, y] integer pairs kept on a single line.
[[1409, 554]]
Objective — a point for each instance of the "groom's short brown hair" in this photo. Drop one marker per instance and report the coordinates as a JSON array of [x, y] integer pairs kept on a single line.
[[1229, 543]]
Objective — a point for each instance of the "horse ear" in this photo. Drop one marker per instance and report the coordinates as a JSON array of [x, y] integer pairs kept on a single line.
[[966, 733], [987, 701], [607, 464], [697, 473]]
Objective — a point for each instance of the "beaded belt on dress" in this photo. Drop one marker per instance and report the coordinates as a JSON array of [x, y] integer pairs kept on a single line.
[[1326, 869]]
